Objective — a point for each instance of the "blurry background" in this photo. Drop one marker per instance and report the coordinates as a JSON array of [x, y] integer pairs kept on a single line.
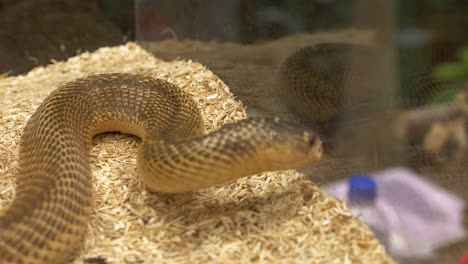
[[247, 42]]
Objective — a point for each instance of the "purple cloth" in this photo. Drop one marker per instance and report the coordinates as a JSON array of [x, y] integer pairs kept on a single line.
[[424, 214]]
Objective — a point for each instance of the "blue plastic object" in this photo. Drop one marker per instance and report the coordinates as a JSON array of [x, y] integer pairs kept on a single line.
[[362, 189]]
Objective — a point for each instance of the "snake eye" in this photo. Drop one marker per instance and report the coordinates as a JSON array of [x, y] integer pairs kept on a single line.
[[316, 143], [312, 141]]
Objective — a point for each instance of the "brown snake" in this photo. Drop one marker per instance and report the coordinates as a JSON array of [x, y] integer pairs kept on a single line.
[[48, 216]]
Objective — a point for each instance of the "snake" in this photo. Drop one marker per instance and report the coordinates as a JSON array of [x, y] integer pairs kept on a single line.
[[47, 218]]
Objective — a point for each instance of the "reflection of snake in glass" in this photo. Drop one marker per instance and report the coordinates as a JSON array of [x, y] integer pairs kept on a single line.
[[313, 79], [49, 213]]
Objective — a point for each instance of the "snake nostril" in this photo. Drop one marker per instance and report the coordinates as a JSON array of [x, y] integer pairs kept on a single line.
[[319, 149]]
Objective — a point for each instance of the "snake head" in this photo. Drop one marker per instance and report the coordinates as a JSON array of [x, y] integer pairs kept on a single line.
[[290, 146]]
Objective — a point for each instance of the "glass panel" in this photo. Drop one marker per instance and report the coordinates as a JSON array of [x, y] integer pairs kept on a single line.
[[382, 82]]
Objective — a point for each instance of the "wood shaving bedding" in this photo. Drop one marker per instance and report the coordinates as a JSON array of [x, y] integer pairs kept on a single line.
[[275, 217]]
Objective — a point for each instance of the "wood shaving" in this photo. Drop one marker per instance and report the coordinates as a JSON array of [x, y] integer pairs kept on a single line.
[[276, 217]]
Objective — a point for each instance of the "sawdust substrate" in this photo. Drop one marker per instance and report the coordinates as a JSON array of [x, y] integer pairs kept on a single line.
[[276, 217]]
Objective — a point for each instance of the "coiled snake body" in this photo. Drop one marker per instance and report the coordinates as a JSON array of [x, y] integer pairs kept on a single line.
[[48, 216]]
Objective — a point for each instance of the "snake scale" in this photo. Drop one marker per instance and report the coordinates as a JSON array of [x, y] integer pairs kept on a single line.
[[49, 213]]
